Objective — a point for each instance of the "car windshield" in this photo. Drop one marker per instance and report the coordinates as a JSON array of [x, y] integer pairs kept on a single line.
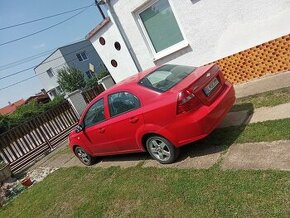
[[165, 77]]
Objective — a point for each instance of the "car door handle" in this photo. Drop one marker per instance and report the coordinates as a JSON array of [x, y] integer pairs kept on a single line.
[[101, 130], [134, 119]]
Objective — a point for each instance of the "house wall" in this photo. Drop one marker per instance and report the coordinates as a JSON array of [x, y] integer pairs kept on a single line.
[[56, 61], [125, 65], [84, 46], [213, 29]]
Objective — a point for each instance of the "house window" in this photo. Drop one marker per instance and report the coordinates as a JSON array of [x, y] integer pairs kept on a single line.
[[50, 72], [90, 74], [82, 56], [160, 26]]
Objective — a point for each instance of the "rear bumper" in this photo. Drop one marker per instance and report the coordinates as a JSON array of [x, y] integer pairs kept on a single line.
[[198, 124]]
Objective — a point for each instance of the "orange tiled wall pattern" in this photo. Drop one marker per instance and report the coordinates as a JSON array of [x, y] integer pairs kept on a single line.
[[269, 57]]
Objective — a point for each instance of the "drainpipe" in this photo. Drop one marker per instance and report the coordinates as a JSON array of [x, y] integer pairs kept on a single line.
[[123, 35]]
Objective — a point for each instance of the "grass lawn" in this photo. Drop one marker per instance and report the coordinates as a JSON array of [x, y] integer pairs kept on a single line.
[[151, 192], [266, 99], [266, 131]]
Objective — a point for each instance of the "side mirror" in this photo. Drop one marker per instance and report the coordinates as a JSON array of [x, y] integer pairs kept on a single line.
[[79, 128]]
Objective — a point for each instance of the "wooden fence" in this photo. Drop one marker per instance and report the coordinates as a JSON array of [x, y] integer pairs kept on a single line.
[[90, 94], [22, 145]]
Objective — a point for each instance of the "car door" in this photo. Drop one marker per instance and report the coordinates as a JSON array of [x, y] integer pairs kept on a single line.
[[126, 119], [95, 130]]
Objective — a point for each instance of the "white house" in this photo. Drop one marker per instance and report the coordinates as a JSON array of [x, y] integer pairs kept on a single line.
[[142, 33], [80, 55]]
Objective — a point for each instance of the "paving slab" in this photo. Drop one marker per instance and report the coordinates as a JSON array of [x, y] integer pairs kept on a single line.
[[238, 118], [281, 111], [262, 155]]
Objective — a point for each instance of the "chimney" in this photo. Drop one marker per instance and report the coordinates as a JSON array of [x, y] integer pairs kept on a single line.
[[9, 103]]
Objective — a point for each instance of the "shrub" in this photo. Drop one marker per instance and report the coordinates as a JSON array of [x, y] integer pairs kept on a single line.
[[102, 74], [26, 112]]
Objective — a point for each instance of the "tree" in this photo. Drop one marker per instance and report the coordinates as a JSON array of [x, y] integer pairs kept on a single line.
[[70, 79], [92, 82], [102, 74]]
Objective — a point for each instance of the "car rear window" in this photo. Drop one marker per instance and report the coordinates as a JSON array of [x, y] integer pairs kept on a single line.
[[165, 77]]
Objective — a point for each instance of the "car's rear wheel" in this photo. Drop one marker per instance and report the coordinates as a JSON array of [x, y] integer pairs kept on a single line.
[[161, 149], [84, 157]]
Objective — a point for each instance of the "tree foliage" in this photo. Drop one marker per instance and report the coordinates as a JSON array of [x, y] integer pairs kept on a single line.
[[70, 79], [102, 74], [92, 82]]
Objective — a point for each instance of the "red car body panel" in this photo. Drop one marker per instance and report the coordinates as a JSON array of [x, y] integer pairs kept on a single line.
[[157, 114]]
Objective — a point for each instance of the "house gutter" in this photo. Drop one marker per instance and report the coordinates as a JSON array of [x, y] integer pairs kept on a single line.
[[123, 35]]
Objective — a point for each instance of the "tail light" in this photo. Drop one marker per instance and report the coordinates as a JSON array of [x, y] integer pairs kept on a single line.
[[187, 101]]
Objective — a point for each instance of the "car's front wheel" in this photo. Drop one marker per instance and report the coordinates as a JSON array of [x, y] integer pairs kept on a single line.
[[84, 157], [161, 149]]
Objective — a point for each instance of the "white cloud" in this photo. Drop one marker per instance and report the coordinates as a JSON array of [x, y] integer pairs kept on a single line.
[[42, 45]]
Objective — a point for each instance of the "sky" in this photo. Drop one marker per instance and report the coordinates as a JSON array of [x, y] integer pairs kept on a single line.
[[18, 11]]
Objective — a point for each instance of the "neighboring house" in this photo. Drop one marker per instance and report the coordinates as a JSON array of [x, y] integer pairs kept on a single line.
[[80, 55], [11, 107], [41, 97], [143, 33]]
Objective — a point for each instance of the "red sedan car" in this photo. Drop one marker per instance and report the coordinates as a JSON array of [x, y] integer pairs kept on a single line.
[[158, 111]]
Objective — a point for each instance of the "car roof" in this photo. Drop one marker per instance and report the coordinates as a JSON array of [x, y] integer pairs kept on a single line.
[[123, 85]]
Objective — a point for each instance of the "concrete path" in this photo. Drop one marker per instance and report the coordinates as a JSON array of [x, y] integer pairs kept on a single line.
[[263, 155], [281, 111], [263, 84]]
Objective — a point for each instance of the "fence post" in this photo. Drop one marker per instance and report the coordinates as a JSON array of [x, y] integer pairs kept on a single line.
[[77, 101]]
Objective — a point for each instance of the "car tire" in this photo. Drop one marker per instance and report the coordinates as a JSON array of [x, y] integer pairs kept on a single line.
[[161, 149], [84, 157]]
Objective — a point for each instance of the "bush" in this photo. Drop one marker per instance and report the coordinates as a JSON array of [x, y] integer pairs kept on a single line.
[[102, 74], [92, 82], [26, 112]]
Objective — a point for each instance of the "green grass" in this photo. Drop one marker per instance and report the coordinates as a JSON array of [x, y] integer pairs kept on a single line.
[[266, 131], [266, 99], [151, 192]]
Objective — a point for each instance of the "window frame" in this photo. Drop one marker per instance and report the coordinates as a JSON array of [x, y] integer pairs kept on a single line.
[[165, 52], [124, 111], [82, 57], [83, 121], [51, 71]]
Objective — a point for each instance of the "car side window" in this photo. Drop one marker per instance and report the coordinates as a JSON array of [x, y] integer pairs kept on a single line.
[[122, 102], [95, 114]]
